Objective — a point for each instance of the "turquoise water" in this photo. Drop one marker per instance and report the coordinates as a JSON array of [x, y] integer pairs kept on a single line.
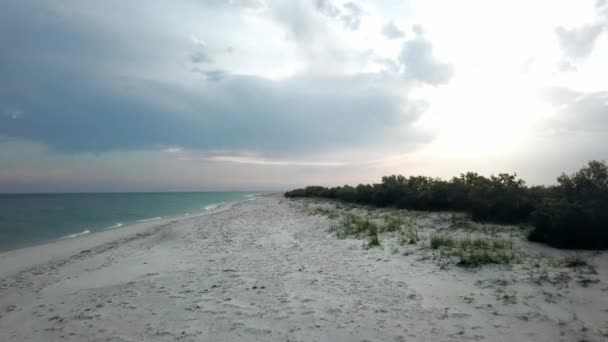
[[30, 219]]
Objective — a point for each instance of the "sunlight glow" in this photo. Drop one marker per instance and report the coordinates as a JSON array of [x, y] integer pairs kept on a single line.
[[482, 116]]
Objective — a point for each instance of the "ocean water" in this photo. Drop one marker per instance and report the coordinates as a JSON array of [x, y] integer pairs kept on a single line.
[[30, 219]]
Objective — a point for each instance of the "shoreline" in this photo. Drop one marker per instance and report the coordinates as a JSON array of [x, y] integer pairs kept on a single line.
[[40, 235], [15, 260], [273, 269]]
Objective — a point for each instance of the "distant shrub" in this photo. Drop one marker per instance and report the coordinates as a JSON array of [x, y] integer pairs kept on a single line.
[[573, 214], [502, 198]]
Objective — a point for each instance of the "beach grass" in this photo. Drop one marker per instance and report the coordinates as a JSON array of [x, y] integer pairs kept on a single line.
[[474, 250]]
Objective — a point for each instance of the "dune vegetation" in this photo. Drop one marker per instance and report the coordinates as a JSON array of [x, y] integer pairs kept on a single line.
[[571, 214]]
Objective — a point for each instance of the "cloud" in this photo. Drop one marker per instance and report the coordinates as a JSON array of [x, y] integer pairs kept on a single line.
[[175, 149], [418, 29], [420, 63], [327, 8], [211, 75], [300, 19], [256, 160], [578, 42], [298, 116], [351, 16], [577, 111], [566, 66], [315, 32], [199, 57], [113, 103], [251, 4], [391, 31]]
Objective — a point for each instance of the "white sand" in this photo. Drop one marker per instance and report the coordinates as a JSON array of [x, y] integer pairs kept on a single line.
[[267, 270]]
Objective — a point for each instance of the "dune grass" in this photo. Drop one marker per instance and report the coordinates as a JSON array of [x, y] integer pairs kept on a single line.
[[352, 225], [329, 213], [474, 251]]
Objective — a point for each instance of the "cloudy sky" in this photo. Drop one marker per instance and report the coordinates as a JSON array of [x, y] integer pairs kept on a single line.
[[270, 94]]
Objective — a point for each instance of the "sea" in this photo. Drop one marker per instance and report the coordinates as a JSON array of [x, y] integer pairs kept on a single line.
[[32, 219]]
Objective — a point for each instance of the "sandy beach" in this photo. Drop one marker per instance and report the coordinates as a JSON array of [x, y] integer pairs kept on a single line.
[[268, 269]]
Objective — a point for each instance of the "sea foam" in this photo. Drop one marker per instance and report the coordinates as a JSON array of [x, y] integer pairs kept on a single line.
[[151, 219], [71, 236], [118, 225], [213, 206]]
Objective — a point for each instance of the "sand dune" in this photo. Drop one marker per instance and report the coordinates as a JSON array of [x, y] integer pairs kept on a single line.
[[268, 270]]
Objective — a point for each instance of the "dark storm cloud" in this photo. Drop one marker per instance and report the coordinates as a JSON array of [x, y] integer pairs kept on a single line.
[[59, 75], [274, 118]]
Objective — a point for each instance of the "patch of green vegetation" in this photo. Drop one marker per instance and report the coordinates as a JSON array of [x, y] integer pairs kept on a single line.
[[478, 257], [392, 224], [442, 240], [475, 251], [331, 214], [410, 237], [355, 226], [374, 241]]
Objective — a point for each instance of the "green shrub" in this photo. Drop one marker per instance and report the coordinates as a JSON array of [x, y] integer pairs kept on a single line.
[[573, 214]]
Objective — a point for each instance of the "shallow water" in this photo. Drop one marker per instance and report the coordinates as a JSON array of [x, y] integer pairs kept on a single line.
[[29, 219]]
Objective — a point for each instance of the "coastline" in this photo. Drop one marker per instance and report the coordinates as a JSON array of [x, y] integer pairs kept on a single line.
[[268, 269], [29, 220], [19, 259]]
